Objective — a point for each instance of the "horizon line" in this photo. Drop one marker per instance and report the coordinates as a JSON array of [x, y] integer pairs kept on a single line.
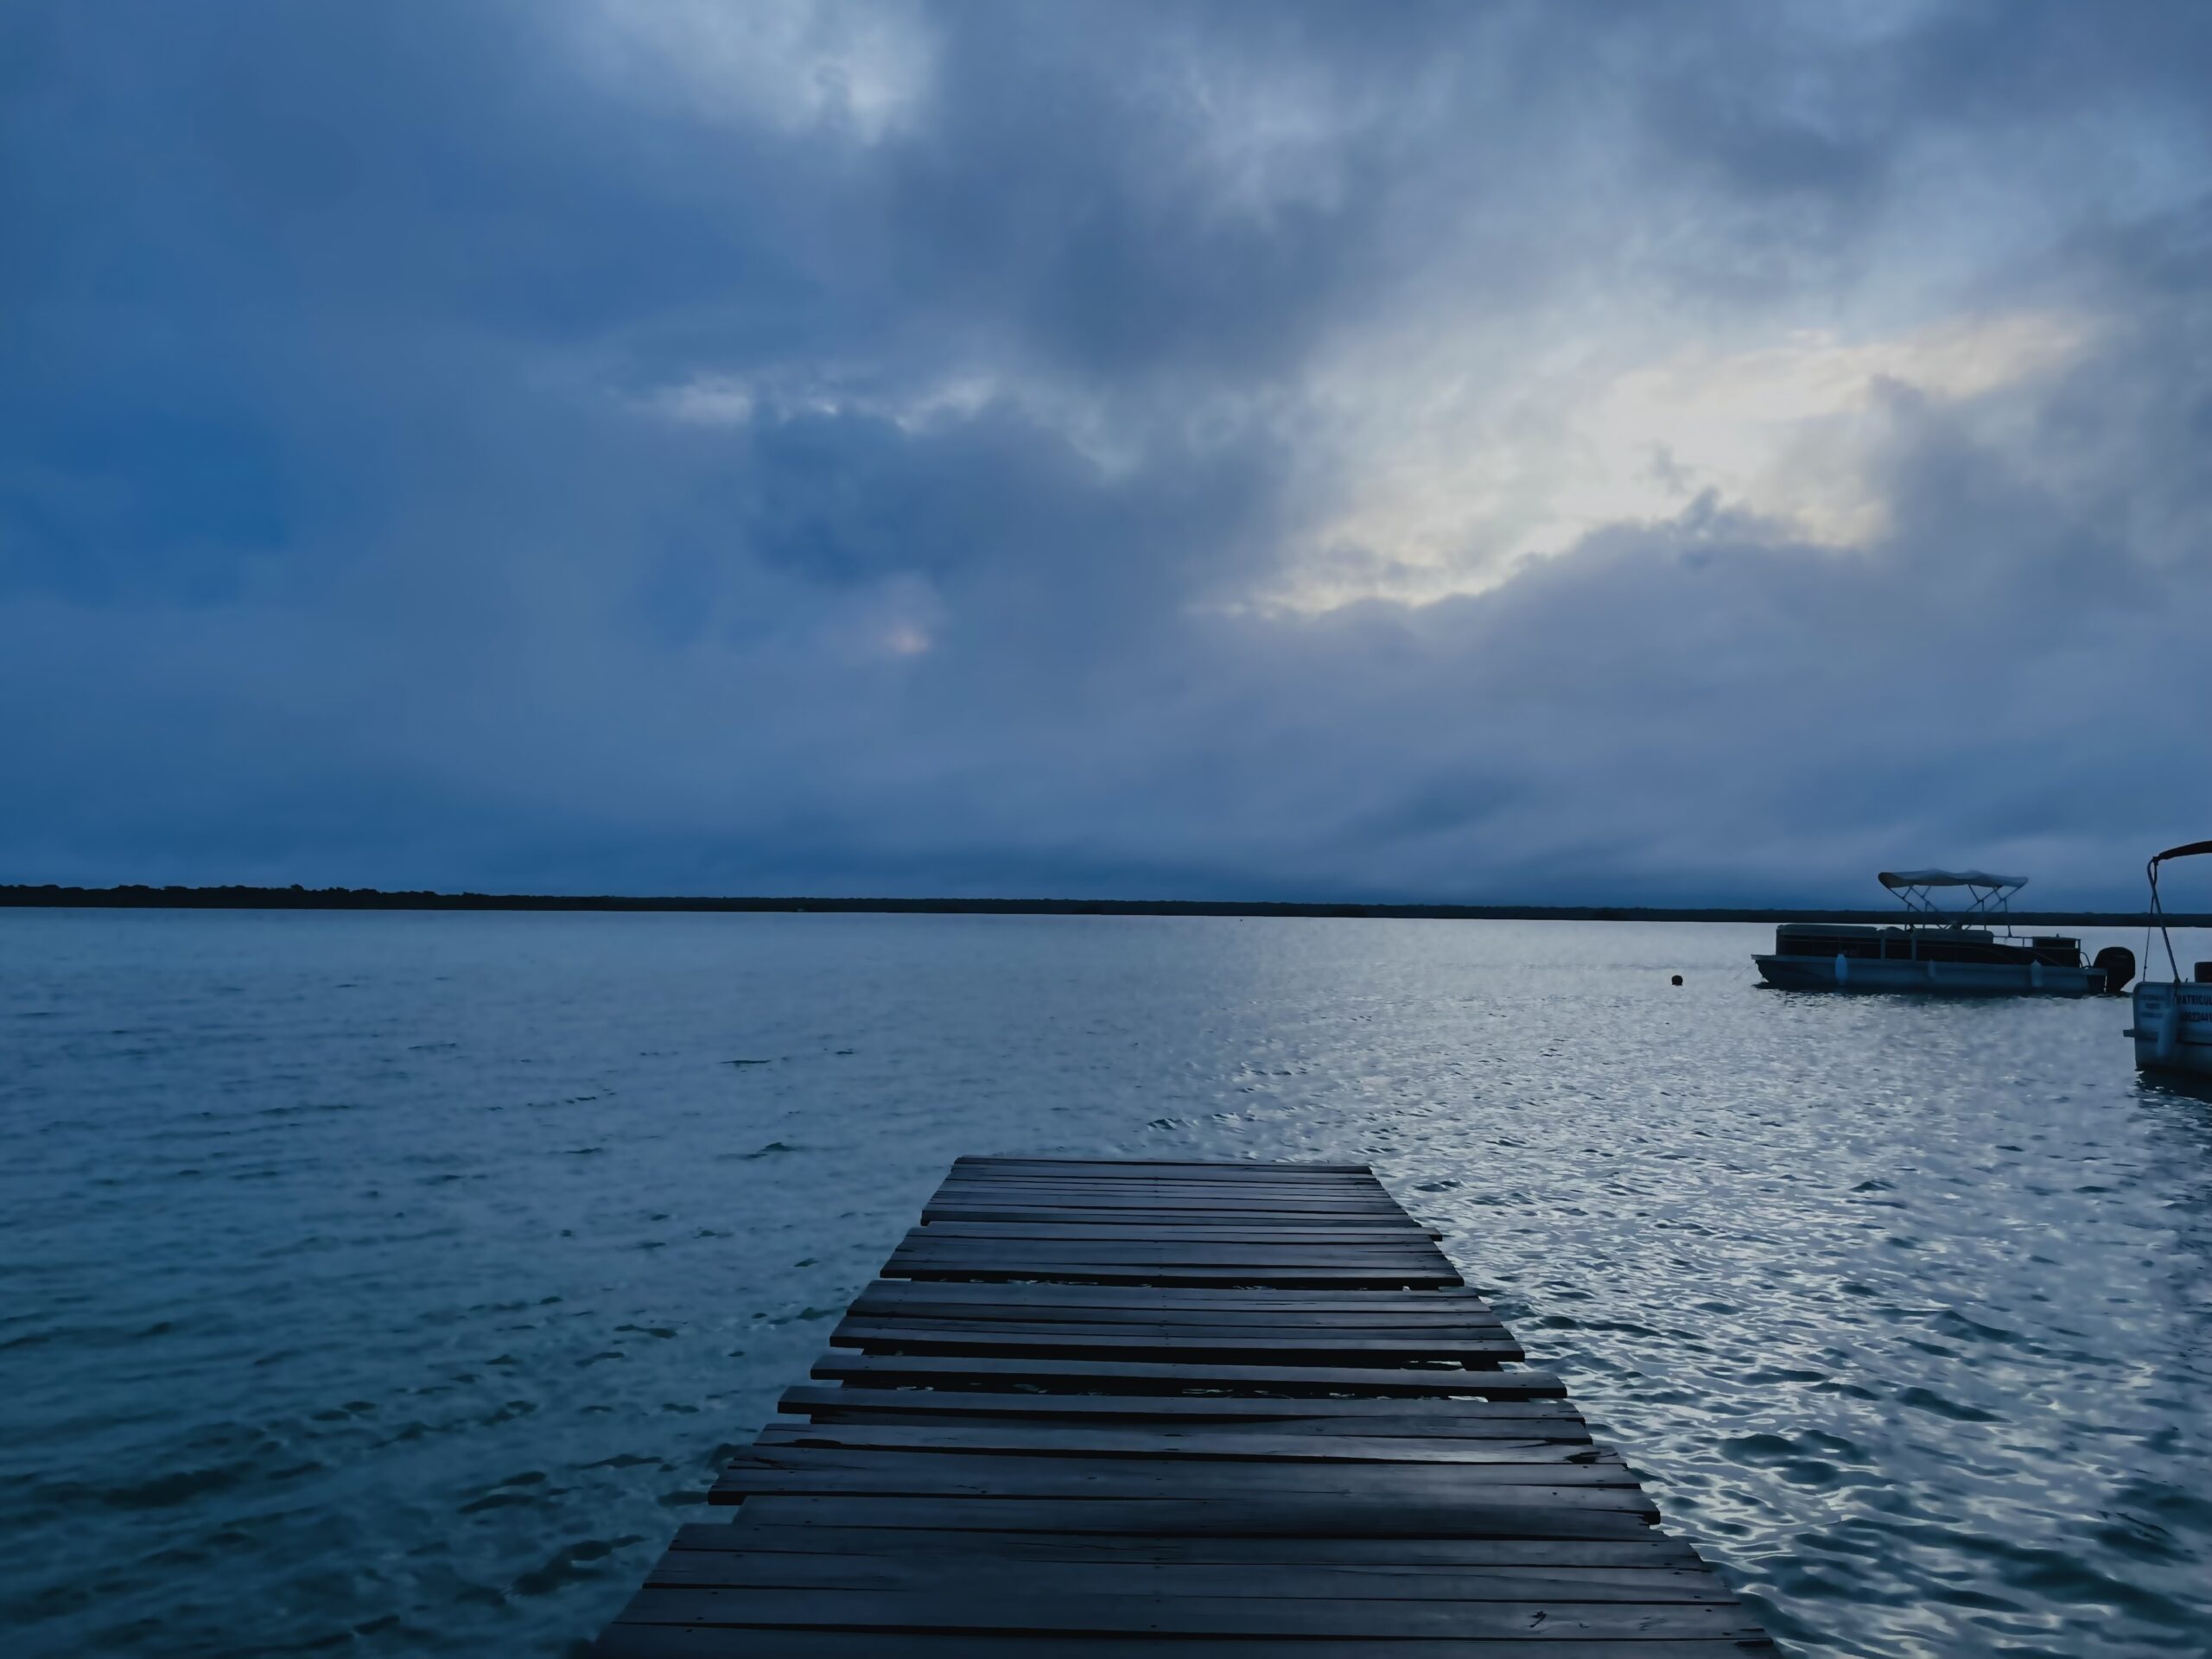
[[245, 896]]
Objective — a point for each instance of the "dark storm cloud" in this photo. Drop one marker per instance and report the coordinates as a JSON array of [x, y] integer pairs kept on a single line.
[[849, 449]]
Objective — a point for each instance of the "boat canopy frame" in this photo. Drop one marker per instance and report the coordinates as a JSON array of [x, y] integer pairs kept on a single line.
[[1991, 895], [2187, 849]]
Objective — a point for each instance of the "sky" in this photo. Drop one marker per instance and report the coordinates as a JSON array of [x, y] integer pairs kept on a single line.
[[1519, 452]]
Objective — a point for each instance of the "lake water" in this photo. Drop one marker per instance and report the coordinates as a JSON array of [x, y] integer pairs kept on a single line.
[[395, 1283]]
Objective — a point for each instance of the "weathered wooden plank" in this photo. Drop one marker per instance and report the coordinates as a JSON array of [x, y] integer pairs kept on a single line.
[[1134, 1265], [1531, 1512], [1456, 1300], [1227, 1205], [1173, 1321], [1164, 1321], [1146, 1253], [1603, 1484], [1163, 1376], [1435, 1416], [712, 1642], [1290, 1445], [1138, 1275], [1127, 1175], [1076, 1235], [1168, 1301], [973, 1325], [1396, 1221], [1179, 1221], [1587, 1466], [1648, 1549], [1043, 1263], [1013, 1608], [1321, 1431], [1205, 1181], [1268, 1167], [1328, 1327], [1202, 1238], [1225, 1201], [1141, 1247], [1133, 1170], [1208, 1179], [1346, 1506], [941, 1214], [1224, 1205], [1235, 1347], [1115, 1231], [1189, 1221], [861, 1569]]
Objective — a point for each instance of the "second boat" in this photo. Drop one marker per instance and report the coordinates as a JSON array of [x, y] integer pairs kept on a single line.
[[1941, 952]]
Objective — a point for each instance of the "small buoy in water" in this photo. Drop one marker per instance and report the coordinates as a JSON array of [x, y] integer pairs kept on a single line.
[[1678, 979]]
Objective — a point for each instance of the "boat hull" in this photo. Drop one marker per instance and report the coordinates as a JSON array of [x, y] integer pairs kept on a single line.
[[1896, 976], [2181, 1044]]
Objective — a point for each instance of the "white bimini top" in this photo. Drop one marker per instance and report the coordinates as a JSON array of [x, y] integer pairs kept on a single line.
[[1895, 879]]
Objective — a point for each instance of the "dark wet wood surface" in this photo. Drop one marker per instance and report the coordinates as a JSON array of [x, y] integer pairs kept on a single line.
[[1181, 1408]]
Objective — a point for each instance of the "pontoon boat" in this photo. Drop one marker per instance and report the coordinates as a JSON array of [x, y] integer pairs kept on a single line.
[[1935, 951], [2173, 1020]]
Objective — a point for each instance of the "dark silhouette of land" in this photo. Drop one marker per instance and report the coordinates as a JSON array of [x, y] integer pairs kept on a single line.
[[239, 897]]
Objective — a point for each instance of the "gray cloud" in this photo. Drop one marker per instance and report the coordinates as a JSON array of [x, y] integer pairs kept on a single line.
[[1191, 450]]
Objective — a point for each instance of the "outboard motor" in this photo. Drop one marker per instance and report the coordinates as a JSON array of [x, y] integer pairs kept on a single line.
[[2117, 963]]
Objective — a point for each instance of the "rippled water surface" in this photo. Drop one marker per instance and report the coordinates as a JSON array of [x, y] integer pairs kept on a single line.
[[395, 1283]]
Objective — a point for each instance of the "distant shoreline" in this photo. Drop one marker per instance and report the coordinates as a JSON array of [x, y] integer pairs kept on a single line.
[[24, 897]]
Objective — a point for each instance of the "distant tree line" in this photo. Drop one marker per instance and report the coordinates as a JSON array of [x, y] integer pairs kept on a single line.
[[136, 896]]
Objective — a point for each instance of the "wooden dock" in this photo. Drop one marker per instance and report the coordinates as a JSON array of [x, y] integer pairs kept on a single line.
[[1243, 1409]]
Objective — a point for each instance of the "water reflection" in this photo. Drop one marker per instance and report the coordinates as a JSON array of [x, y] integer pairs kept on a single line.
[[398, 1282]]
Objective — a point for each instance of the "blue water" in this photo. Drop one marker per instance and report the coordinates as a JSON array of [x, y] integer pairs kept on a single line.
[[395, 1284]]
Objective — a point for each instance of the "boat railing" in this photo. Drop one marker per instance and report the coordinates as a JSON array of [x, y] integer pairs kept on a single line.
[[2189, 849]]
